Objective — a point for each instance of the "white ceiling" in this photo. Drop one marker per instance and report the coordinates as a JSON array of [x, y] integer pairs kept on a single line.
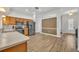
[[30, 10], [6, 11]]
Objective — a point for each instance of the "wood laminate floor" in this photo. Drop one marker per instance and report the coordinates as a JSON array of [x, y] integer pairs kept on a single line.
[[47, 43]]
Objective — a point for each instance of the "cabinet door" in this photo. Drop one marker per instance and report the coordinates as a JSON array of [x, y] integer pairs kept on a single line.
[[29, 20], [9, 20], [26, 31], [6, 20], [19, 20], [12, 21]]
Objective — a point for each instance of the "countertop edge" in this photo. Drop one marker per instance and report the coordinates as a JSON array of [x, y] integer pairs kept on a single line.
[[15, 44]]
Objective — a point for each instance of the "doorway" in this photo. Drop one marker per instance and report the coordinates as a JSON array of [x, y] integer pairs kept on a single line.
[[69, 26]]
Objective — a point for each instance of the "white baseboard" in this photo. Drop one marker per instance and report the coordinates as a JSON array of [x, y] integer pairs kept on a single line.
[[51, 34], [68, 33]]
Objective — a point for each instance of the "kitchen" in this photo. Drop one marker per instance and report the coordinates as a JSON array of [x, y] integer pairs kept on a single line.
[[8, 32], [15, 32]]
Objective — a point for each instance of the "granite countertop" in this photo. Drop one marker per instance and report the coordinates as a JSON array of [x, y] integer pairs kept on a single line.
[[10, 39]]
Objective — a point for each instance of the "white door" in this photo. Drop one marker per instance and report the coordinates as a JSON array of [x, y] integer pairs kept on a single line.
[[68, 24], [71, 27]]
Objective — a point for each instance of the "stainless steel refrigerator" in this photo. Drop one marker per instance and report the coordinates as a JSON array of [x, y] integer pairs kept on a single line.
[[31, 26], [19, 27]]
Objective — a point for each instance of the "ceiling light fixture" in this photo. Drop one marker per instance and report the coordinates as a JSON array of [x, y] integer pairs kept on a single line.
[[2, 10], [70, 13], [3, 15]]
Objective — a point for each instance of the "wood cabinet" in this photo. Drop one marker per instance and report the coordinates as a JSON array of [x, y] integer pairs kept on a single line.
[[26, 31], [28, 20], [19, 20], [18, 48], [6, 20], [12, 20], [9, 20]]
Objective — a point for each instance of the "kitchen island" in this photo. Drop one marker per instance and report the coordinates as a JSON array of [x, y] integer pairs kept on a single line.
[[13, 42]]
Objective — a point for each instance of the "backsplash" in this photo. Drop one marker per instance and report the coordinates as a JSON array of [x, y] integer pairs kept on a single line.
[[8, 28]]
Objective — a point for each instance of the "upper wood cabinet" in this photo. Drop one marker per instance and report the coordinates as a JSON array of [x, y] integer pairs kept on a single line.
[[12, 21], [9, 20], [5, 20], [19, 20], [28, 20]]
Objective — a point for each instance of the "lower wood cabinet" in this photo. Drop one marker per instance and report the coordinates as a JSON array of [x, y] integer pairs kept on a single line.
[[18, 48]]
